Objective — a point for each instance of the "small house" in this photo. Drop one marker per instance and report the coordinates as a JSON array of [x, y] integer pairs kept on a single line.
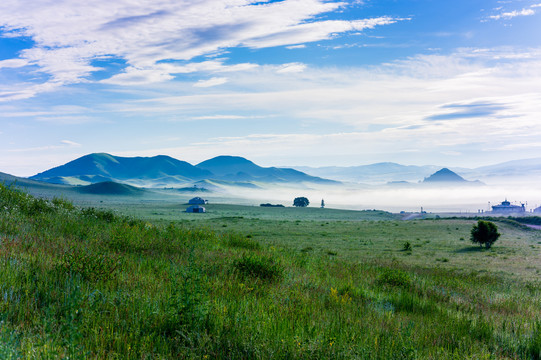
[[197, 201], [196, 209]]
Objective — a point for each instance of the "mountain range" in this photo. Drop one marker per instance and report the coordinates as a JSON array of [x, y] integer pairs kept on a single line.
[[374, 173], [388, 172], [162, 171]]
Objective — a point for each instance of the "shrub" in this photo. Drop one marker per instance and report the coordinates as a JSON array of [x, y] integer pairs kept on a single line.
[[407, 246], [37, 206], [257, 266], [14, 199], [394, 277], [484, 233], [63, 203], [104, 215]]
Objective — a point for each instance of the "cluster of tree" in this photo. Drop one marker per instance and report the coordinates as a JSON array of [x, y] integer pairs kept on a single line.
[[301, 202], [271, 205], [298, 202]]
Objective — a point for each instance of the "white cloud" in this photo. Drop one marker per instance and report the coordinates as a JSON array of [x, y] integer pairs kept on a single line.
[[69, 35], [13, 63], [71, 143], [165, 71], [135, 76], [59, 114], [513, 14], [291, 47], [315, 31], [291, 68], [215, 81], [227, 117], [460, 103], [64, 144], [68, 119]]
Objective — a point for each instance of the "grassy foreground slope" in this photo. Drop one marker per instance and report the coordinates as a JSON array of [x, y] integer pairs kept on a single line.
[[87, 283]]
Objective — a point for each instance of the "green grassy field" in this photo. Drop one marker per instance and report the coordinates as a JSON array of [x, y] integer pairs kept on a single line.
[[143, 280]]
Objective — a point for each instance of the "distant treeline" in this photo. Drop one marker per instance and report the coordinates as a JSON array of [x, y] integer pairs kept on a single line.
[[271, 205], [531, 220]]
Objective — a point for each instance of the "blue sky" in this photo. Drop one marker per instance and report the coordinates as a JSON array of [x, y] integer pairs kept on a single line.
[[292, 82]]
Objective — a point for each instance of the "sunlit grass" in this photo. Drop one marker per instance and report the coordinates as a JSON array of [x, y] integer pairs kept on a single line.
[[91, 283]]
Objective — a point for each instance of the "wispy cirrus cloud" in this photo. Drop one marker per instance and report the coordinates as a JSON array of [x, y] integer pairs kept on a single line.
[[291, 47], [467, 111], [291, 68], [215, 81], [69, 35], [13, 63], [513, 14], [432, 103], [507, 15], [63, 145]]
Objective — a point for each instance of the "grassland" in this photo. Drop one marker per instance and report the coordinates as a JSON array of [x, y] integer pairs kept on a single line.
[[146, 281]]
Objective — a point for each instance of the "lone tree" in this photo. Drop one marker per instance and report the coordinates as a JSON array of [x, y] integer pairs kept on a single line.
[[301, 202], [484, 233]]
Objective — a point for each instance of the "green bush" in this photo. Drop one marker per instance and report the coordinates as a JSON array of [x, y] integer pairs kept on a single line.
[[62, 203], [257, 266], [36, 206], [484, 233], [407, 246], [12, 199], [105, 215], [394, 277]]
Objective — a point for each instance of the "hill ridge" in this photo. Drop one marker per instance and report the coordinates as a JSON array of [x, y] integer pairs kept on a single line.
[[164, 170]]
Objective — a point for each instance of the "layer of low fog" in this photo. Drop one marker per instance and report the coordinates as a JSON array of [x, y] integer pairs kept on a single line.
[[396, 198]]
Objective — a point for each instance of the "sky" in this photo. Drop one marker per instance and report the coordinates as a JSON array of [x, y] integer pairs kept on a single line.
[[282, 83]]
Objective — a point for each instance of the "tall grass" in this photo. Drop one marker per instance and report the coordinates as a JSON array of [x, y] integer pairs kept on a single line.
[[91, 283]]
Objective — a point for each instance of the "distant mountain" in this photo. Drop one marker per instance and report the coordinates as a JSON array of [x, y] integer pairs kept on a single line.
[[101, 167], [381, 173], [517, 169], [444, 175], [234, 168], [164, 171]]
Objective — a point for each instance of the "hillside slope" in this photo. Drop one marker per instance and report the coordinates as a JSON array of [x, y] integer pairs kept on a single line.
[[110, 188], [163, 171], [234, 168], [100, 167]]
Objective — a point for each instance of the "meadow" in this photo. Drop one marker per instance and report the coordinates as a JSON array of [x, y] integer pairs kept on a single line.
[[143, 280]]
